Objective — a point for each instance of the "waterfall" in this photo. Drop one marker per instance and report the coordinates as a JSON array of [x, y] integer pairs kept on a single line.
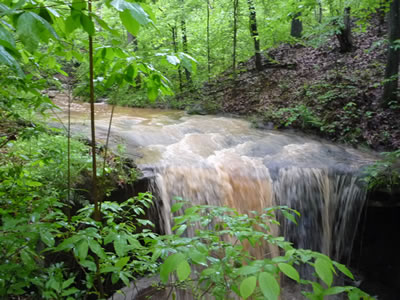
[[330, 203]]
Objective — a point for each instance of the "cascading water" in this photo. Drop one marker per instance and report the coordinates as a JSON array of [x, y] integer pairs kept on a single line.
[[223, 161]]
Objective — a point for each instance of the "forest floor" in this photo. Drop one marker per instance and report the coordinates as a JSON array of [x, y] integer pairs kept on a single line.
[[318, 90]]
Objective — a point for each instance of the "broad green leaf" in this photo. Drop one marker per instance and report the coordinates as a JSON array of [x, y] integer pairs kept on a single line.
[[82, 249], [122, 262], [343, 269], [197, 257], [47, 238], [31, 28], [173, 60], [68, 282], [269, 286], [105, 26], [87, 24], [96, 248], [247, 286], [6, 38], [72, 22], [323, 267], [134, 9], [129, 22], [177, 206], [7, 59], [170, 265], [120, 245], [335, 290], [183, 270], [247, 270], [88, 264], [289, 271], [79, 4]]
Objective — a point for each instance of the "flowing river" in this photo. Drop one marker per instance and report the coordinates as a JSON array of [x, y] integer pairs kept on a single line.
[[219, 160]]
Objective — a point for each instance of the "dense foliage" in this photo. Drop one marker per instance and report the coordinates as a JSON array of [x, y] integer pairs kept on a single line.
[[60, 241]]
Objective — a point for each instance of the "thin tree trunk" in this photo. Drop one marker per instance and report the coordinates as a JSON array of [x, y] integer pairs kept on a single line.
[[235, 23], [296, 26], [185, 41], [254, 34], [96, 212], [318, 12], [393, 57], [174, 42], [344, 36], [132, 39], [208, 41]]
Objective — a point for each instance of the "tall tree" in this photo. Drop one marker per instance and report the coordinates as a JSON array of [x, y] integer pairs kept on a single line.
[[393, 56], [174, 32], [296, 28], [254, 34], [235, 27], [344, 35], [208, 41], [184, 38]]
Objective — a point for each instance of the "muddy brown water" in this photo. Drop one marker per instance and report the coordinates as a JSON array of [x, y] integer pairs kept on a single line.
[[220, 160]]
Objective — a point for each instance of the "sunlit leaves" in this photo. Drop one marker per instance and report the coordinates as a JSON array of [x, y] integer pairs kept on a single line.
[[31, 29], [132, 15], [7, 59], [269, 286], [6, 38]]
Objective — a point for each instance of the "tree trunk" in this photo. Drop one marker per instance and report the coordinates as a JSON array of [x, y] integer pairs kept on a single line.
[[318, 12], [254, 34], [208, 41], [297, 26], [174, 42], [393, 57], [344, 36], [185, 41], [235, 21], [133, 39]]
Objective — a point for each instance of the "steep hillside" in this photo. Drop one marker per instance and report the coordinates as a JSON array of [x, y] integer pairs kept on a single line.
[[333, 94]]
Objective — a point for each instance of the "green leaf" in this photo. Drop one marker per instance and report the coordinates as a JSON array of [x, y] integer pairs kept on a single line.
[[269, 286], [122, 262], [68, 282], [289, 271], [197, 257], [134, 9], [31, 28], [177, 206], [289, 216], [343, 269], [173, 60], [6, 38], [247, 270], [79, 4], [183, 270], [87, 24], [120, 245], [129, 22], [335, 290], [247, 286], [170, 265], [47, 238], [96, 248], [82, 249], [7, 59], [323, 267], [89, 264]]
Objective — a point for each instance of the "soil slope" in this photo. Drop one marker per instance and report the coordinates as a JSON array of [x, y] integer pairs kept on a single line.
[[333, 94]]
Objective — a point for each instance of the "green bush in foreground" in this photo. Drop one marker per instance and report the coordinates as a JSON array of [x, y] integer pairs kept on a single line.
[[217, 260]]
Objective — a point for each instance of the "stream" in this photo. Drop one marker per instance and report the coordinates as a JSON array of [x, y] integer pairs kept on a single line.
[[220, 160]]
